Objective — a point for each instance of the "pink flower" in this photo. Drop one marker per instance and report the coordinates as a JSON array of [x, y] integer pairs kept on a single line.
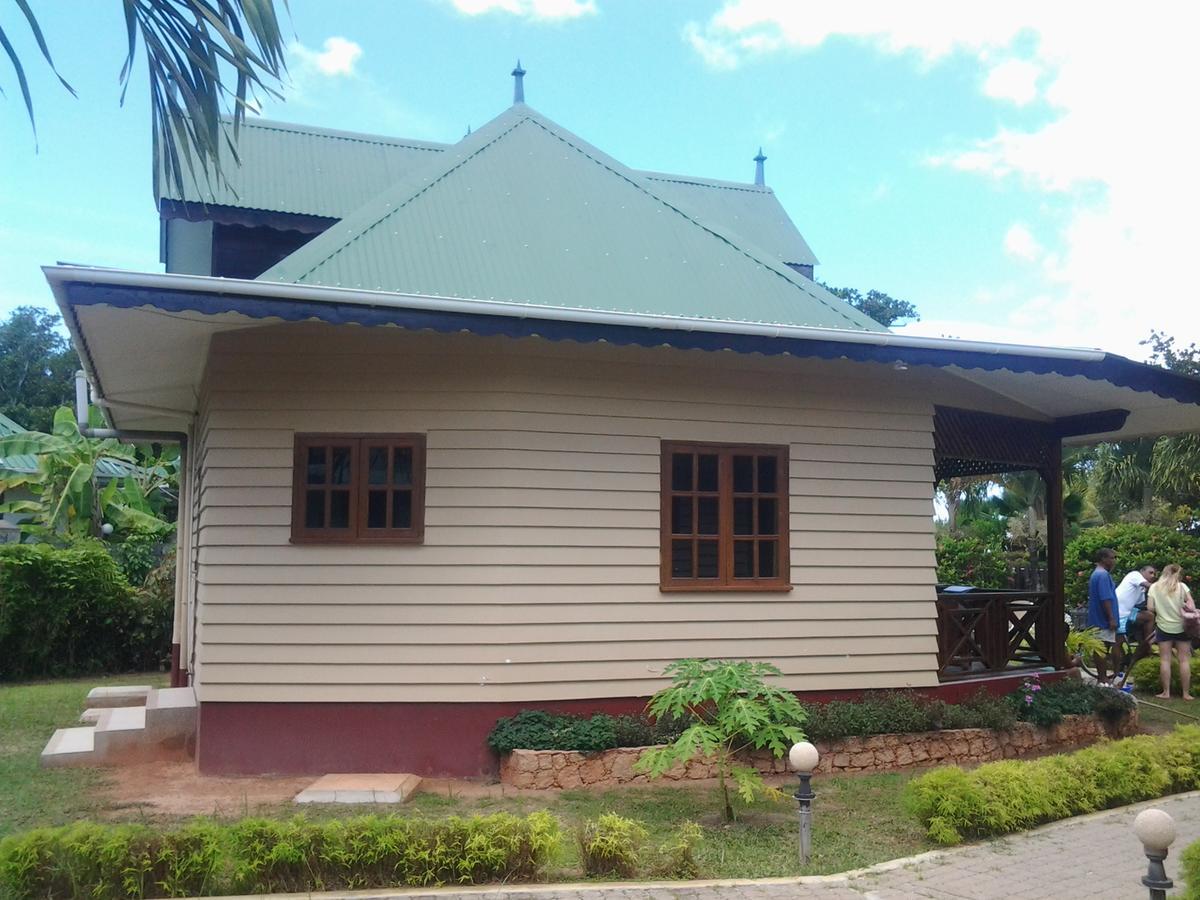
[[1028, 699]]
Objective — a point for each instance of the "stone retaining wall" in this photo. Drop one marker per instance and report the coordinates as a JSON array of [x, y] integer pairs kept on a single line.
[[543, 769]]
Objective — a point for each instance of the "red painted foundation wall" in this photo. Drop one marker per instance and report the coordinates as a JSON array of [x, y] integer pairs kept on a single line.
[[423, 738]]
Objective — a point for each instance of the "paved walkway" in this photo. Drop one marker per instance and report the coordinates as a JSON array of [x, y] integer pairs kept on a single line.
[[1090, 858]]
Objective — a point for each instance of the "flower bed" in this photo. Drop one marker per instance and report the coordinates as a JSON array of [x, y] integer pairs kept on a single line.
[[548, 769]]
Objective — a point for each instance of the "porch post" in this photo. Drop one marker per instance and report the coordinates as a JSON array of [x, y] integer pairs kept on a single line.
[[1055, 540]]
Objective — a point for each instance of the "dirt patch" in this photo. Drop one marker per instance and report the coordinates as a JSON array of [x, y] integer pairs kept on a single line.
[[176, 789]]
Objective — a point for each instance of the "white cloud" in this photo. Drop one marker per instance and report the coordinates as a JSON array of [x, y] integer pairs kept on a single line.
[[545, 10], [337, 58], [1117, 151], [1020, 242], [1014, 80]]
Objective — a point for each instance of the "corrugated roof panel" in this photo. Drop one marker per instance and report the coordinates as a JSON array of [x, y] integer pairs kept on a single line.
[[522, 210], [313, 171], [744, 208]]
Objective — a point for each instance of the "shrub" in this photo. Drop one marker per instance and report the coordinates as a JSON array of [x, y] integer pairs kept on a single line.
[[71, 611], [969, 560], [99, 862], [1189, 871], [677, 855], [1135, 546], [1146, 677], [533, 729], [640, 731], [612, 846], [1046, 704], [1003, 797], [111, 861], [897, 712]]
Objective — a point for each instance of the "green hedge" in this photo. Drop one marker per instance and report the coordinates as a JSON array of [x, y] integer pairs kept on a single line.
[[535, 729], [898, 712], [1189, 871], [71, 612], [1135, 546], [1004, 797], [259, 856], [1146, 678], [1046, 704], [969, 560]]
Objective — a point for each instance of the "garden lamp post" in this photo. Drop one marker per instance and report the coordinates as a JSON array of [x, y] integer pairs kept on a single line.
[[1156, 830], [804, 758]]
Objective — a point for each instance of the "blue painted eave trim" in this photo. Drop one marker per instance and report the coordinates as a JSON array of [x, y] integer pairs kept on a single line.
[[1115, 370]]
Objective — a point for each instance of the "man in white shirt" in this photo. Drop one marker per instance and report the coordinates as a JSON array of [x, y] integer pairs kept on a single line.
[[1130, 592]]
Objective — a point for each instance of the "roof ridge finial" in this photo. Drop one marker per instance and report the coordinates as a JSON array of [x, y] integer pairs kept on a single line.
[[758, 168], [518, 84]]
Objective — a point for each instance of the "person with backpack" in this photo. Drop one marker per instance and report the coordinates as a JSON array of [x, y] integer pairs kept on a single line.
[[1135, 623]]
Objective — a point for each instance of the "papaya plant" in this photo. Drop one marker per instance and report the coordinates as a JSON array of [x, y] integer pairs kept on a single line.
[[734, 709]]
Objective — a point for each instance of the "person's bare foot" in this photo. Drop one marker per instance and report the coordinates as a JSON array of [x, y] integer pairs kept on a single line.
[[1163, 696], [1188, 697]]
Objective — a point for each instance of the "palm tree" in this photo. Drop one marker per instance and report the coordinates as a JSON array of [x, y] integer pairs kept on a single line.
[[193, 48]]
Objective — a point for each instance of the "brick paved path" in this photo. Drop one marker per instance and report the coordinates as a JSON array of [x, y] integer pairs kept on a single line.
[[1094, 858]]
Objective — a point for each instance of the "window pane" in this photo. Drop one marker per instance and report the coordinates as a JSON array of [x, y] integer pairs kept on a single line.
[[766, 559], [314, 509], [403, 471], [706, 559], [681, 472], [708, 521], [377, 466], [743, 474], [341, 466], [768, 516], [681, 559], [316, 465], [743, 515], [767, 467], [402, 509], [377, 508], [339, 509], [743, 559], [681, 515], [708, 473]]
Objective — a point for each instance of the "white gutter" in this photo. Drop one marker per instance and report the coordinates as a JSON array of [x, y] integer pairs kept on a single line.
[[61, 275]]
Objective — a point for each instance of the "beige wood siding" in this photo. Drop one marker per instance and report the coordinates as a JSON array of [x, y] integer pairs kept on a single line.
[[538, 578]]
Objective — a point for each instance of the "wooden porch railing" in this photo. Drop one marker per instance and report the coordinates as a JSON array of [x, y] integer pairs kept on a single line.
[[990, 633]]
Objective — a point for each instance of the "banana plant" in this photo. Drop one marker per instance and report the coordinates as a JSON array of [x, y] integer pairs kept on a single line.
[[68, 500]]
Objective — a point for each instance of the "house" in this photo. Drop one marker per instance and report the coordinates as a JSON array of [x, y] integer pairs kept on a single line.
[[505, 423]]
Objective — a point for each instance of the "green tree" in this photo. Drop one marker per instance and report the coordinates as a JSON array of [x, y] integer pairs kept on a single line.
[[37, 367], [734, 709], [192, 48], [881, 307]]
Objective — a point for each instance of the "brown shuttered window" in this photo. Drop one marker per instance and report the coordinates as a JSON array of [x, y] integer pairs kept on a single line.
[[724, 517], [358, 488]]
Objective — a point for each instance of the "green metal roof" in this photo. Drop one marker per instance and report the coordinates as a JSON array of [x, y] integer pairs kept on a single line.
[[106, 468], [522, 210], [321, 172], [298, 169], [748, 209]]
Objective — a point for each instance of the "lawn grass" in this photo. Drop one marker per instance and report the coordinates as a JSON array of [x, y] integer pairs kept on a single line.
[[31, 796], [1177, 712]]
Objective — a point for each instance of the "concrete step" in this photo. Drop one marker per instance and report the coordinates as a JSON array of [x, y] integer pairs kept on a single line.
[[171, 716], [120, 731], [70, 747], [118, 695], [373, 788], [90, 716]]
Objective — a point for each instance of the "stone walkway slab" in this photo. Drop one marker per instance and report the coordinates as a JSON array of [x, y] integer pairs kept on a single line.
[[369, 788]]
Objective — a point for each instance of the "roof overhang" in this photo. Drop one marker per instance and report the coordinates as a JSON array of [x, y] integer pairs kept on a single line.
[[143, 339]]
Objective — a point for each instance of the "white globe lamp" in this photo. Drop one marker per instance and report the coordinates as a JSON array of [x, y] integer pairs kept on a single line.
[[1156, 830]]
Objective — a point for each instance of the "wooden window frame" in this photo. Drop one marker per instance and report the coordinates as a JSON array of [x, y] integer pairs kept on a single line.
[[725, 581], [358, 532]]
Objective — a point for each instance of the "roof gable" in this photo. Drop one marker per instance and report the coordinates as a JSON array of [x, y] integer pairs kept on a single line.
[[523, 210]]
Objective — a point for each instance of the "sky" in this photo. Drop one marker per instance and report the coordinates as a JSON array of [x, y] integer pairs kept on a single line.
[[1021, 172]]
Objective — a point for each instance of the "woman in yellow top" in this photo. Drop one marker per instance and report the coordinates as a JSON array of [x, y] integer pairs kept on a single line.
[[1171, 602]]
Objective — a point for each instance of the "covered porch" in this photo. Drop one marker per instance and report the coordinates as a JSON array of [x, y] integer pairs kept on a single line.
[[1000, 632]]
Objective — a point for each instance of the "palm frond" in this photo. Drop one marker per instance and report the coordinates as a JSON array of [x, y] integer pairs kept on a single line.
[[19, 69]]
